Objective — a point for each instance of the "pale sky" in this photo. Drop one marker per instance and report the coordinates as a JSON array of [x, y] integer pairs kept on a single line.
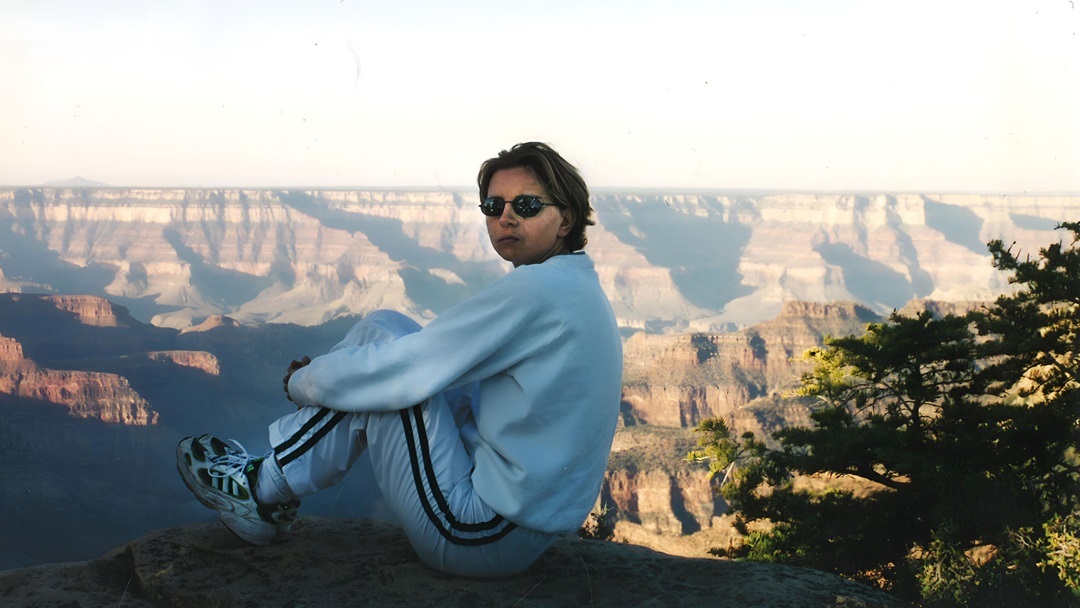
[[922, 95]]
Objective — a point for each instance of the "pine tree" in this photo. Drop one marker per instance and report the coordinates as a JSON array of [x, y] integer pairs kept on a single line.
[[967, 428]]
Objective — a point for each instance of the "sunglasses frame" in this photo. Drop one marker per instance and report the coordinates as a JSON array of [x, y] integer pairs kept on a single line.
[[525, 206]]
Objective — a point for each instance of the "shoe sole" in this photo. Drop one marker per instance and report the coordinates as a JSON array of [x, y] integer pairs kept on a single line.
[[246, 530]]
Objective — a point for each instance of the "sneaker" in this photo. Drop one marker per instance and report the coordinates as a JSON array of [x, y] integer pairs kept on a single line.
[[222, 478]]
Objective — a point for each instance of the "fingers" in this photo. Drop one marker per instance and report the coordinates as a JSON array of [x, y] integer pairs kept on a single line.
[[285, 381], [293, 366]]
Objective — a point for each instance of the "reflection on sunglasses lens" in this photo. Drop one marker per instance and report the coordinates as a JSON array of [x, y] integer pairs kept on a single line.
[[524, 205]]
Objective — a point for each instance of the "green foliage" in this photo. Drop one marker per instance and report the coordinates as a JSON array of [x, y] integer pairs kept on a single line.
[[599, 526], [968, 428], [946, 576], [1061, 547], [714, 446]]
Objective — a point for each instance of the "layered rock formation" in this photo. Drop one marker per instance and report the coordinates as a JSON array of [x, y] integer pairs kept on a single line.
[[224, 376], [83, 336], [680, 380], [92, 311], [650, 486], [326, 562], [101, 396], [668, 262], [93, 403], [199, 360], [663, 503], [673, 382]]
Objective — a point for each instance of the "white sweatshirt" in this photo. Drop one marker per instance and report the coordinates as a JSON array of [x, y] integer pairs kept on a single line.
[[543, 344]]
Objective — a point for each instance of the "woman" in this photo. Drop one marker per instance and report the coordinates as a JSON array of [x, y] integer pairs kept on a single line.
[[488, 429]]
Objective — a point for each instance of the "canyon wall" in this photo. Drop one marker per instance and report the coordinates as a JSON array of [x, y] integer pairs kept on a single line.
[[226, 374], [679, 380], [101, 396], [671, 383], [668, 262]]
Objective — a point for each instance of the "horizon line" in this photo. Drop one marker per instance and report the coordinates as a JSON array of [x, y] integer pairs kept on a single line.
[[592, 189]]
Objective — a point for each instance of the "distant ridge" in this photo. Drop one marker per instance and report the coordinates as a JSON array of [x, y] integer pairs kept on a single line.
[[668, 262], [77, 182]]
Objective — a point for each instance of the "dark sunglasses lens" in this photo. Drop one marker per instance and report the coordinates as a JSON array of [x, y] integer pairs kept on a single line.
[[527, 206], [492, 207]]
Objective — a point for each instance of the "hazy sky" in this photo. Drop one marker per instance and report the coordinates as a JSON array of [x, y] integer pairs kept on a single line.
[[801, 94]]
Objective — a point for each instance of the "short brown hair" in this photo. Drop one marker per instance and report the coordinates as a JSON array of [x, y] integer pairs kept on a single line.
[[559, 178]]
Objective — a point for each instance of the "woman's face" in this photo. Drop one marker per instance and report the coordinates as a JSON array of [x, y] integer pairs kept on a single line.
[[526, 240]]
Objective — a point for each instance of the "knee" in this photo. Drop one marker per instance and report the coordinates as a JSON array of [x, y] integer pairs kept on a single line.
[[392, 320], [378, 327]]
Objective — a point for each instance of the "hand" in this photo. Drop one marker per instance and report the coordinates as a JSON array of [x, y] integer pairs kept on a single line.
[[295, 365]]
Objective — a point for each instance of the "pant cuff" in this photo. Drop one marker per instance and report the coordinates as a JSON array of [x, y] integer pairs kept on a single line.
[[272, 488]]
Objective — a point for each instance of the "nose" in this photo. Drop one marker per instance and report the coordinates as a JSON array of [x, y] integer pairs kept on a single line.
[[508, 216]]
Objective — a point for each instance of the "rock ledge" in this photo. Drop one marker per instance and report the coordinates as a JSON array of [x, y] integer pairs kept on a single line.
[[359, 562]]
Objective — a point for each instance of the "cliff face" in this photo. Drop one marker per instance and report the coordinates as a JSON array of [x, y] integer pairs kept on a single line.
[[93, 311], [676, 381], [667, 262], [102, 396], [82, 337], [199, 360], [663, 503], [683, 406], [680, 380]]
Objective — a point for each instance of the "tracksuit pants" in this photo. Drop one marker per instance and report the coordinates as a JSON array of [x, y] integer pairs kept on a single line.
[[422, 465]]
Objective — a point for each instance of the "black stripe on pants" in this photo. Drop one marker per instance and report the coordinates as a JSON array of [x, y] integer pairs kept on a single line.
[[422, 468], [282, 452]]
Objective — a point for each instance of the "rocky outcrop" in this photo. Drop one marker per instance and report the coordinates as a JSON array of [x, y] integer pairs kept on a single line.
[[11, 355], [680, 380], [91, 310], [211, 322], [799, 327], [663, 502], [328, 562], [676, 381], [652, 495], [683, 406], [55, 329], [102, 396], [199, 360]]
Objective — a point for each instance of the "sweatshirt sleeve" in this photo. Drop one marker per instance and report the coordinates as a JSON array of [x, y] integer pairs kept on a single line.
[[503, 325]]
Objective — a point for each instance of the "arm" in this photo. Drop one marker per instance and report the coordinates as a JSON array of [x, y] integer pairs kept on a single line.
[[499, 327]]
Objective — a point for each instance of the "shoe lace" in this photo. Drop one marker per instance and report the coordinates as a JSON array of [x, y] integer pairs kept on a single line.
[[231, 463]]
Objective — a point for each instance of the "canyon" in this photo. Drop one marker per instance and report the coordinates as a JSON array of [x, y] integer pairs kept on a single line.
[[132, 317], [669, 262], [127, 397]]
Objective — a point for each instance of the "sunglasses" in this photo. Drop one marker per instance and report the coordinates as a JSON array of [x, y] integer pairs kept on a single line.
[[524, 205]]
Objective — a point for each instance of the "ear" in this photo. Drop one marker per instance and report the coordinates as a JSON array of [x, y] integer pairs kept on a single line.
[[567, 222]]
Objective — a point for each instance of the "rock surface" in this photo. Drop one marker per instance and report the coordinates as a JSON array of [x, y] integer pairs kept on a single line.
[[98, 395], [358, 562], [678, 380]]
